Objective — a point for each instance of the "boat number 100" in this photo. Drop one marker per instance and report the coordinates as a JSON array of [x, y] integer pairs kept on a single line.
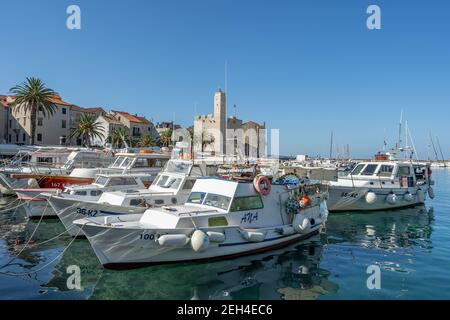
[[149, 236]]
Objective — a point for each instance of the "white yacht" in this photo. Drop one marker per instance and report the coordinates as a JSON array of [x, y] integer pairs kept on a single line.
[[172, 186], [221, 219], [380, 185]]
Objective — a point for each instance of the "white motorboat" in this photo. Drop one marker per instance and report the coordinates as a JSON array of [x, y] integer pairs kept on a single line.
[[221, 219], [172, 186], [36, 199], [142, 163], [381, 185]]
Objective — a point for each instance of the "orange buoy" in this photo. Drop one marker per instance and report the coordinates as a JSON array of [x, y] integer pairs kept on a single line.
[[306, 200]]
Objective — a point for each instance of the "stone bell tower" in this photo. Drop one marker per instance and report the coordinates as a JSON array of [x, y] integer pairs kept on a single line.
[[220, 117]]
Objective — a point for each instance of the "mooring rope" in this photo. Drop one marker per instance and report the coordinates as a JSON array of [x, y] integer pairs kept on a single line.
[[29, 239], [47, 264]]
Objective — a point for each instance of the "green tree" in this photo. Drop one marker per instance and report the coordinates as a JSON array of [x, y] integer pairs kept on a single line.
[[119, 136], [166, 138], [87, 129], [33, 96], [146, 142]]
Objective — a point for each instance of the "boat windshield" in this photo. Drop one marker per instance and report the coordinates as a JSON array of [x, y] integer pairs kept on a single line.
[[166, 181], [357, 169], [217, 201], [101, 180], [117, 161], [369, 170], [178, 167], [196, 197]]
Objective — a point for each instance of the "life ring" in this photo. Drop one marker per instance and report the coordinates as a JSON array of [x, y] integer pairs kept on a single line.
[[262, 185]]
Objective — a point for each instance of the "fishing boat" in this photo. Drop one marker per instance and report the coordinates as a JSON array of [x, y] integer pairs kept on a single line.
[[171, 186], [221, 219], [37, 205], [142, 163], [381, 184]]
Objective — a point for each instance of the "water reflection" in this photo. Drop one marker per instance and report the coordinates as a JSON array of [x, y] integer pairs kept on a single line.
[[387, 230]]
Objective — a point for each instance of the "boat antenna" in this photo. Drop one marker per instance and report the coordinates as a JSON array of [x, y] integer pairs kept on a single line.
[[413, 144]]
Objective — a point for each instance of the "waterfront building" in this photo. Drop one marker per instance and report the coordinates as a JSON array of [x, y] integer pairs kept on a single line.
[[218, 135]]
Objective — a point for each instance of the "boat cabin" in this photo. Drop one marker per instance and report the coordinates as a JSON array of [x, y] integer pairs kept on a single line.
[[139, 161]]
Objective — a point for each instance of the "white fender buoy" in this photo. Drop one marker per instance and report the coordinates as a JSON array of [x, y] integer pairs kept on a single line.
[[254, 236], [199, 241], [391, 198], [431, 192], [303, 226], [420, 196], [215, 236], [286, 230], [32, 183], [173, 240], [371, 197], [408, 197]]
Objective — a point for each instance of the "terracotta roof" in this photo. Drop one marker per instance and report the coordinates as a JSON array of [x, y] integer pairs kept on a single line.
[[56, 100], [59, 101], [132, 118], [110, 118]]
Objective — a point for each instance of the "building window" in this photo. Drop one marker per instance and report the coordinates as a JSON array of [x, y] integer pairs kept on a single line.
[[40, 120], [9, 138], [10, 123], [63, 124], [23, 137], [24, 121], [64, 111], [39, 137], [17, 137]]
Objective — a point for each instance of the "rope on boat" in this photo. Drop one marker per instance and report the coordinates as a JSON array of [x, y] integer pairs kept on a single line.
[[8, 207], [48, 263]]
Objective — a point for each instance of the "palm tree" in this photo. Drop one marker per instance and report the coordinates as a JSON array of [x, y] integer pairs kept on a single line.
[[146, 142], [87, 129], [166, 138], [33, 96], [119, 136]]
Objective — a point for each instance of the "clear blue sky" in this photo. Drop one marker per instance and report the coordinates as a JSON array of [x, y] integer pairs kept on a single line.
[[305, 67]]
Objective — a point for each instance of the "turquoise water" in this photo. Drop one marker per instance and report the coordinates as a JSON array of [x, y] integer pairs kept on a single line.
[[411, 247]]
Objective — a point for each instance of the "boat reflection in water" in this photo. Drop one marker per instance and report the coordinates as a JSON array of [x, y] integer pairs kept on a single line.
[[387, 230]]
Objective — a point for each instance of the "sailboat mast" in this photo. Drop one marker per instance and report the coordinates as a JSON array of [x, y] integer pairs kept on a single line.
[[440, 150], [434, 147], [331, 145]]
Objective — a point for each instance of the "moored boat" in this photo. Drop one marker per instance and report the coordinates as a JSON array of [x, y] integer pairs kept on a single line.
[[221, 219]]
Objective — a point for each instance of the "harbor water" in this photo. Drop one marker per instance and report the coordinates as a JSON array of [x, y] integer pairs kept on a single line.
[[411, 247]]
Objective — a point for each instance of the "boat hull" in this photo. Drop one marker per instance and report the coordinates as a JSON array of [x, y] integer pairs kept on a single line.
[[341, 199], [124, 248], [68, 210]]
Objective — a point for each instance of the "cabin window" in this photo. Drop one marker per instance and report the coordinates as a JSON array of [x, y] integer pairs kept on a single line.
[[188, 184], [357, 169], [247, 203], [217, 201], [122, 181], [126, 162], [168, 182], [81, 193], [159, 201], [403, 171], [101, 180], [95, 193], [196, 197], [369, 170], [217, 222], [139, 203], [385, 170], [143, 163]]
